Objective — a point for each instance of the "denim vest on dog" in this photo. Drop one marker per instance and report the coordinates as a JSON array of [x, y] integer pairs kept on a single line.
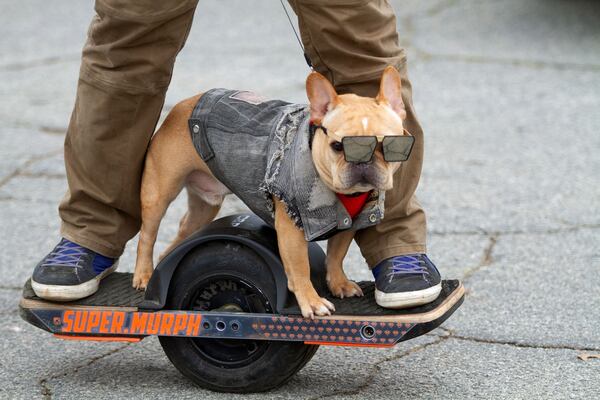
[[260, 148]]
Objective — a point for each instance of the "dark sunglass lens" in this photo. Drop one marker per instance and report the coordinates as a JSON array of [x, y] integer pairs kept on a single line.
[[358, 149], [397, 148]]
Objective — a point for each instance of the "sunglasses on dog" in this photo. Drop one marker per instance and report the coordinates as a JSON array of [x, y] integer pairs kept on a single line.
[[360, 149]]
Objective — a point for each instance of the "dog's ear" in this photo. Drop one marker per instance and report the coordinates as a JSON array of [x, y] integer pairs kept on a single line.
[[390, 90], [321, 96]]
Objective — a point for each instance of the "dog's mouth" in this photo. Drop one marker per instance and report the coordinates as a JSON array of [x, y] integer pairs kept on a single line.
[[358, 188], [363, 178]]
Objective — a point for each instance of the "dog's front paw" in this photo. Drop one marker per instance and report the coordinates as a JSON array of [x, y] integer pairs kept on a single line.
[[312, 304], [345, 288], [141, 279]]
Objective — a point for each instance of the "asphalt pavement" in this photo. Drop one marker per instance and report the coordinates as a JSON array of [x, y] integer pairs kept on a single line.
[[508, 94]]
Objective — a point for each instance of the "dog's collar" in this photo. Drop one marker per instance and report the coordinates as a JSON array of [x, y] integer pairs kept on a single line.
[[354, 203]]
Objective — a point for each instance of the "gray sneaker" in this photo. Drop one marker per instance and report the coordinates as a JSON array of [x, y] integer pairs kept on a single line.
[[70, 272], [406, 281]]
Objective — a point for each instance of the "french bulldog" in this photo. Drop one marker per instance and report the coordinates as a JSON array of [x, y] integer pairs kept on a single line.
[[173, 162]]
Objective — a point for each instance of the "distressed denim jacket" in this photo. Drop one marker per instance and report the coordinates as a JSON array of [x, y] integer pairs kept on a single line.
[[259, 149]]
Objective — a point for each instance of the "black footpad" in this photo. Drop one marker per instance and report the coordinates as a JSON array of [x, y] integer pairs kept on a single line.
[[366, 305], [115, 291]]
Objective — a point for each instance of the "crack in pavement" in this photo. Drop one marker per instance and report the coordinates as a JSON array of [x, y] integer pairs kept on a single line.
[[40, 62], [46, 175], [523, 345], [30, 201], [451, 333], [9, 287], [53, 130], [550, 231], [47, 129], [376, 367], [580, 226], [486, 259], [426, 56], [46, 389], [21, 169]]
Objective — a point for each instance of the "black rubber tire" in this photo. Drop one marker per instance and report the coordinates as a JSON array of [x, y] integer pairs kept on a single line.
[[279, 360]]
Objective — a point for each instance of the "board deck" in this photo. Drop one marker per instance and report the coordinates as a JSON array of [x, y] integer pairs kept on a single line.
[[114, 313], [116, 291]]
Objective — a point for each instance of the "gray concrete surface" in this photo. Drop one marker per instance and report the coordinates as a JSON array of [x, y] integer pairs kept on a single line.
[[509, 96]]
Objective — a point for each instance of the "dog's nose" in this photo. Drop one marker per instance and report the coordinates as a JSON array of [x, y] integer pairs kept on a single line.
[[362, 171]]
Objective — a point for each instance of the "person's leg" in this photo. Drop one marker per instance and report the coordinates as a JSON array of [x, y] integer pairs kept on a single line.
[[351, 42], [126, 68], [125, 71]]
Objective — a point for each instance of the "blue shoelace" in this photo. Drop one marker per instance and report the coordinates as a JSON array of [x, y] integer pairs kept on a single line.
[[405, 265], [408, 265], [68, 254], [65, 254]]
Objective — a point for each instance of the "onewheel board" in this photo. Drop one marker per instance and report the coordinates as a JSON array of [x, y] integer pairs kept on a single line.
[[114, 314]]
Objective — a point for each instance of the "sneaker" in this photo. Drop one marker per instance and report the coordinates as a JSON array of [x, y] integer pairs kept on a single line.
[[406, 281], [70, 272]]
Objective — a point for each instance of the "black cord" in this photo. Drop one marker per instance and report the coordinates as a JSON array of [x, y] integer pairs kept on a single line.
[[306, 57]]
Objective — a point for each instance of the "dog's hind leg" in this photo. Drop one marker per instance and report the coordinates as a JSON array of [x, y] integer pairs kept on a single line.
[[202, 209], [158, 191], [170, 160]]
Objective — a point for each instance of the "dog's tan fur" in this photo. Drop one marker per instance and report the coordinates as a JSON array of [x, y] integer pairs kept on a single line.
[[173, 163]]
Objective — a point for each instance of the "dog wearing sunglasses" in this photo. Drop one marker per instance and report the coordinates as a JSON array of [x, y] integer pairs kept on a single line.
[[313, 172]]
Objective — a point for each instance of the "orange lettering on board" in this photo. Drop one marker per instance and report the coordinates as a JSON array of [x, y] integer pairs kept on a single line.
[[193, 325], [67, 321], [139, 322], [167, 323], [80, 320], [180, 321], [153, 324], [104, 321], [93, 320], [117, 322]]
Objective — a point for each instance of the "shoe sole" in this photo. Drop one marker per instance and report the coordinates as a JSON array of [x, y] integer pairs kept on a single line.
[[71, 292], [407, 299]]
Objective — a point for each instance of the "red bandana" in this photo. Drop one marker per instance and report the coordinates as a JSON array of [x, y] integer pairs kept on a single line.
[[353, 203]]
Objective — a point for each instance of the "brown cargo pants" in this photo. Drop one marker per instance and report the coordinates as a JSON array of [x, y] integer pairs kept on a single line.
[[126, 68]]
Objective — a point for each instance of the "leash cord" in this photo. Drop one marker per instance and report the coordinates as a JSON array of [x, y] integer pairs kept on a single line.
[[306, 57]]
